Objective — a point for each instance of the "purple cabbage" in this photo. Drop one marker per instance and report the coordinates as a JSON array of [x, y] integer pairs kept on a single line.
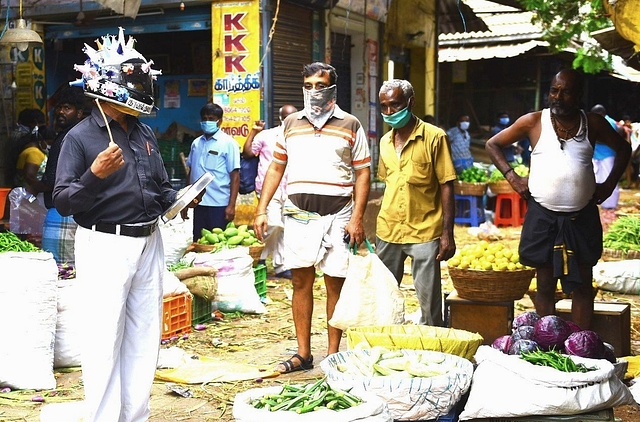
[[609, 353], [524, 332], [574, 327], [526, 318], [520, 346], [502, 343], [550, 332], [586, 344]]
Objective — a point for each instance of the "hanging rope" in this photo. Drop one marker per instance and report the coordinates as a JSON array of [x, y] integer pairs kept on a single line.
[[271, 32]]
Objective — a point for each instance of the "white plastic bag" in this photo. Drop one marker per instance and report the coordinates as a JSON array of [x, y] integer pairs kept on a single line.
[[508, 386], [28, 298], [618, 276], [372, 409], [177, 235], [27, 213], [369, 296]]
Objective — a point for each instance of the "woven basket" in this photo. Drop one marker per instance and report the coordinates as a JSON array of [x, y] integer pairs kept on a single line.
[[491, 286], [467, 188], [501, 186], [197, 247], [255, 251]]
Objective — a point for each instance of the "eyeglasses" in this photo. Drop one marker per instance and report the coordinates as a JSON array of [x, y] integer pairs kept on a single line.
[[309, 86]]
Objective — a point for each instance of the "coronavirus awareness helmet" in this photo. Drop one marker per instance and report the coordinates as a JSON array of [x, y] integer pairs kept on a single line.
[[117, 73]]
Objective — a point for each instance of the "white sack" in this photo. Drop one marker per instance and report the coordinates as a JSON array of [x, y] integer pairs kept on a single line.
[[618, 276], [372, 409], [408, 399], [171, 285], [68, 325], [506, 386], [236, 279], [28, 298]]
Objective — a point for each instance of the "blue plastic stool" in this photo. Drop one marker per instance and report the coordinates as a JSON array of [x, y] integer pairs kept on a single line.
[[467, 210]]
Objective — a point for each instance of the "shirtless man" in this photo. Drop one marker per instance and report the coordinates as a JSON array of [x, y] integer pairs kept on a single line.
[[562, 235]]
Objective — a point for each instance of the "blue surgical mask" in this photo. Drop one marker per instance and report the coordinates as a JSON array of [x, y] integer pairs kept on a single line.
[[398, 119], [464, 125], [504, 121], [209, 127]]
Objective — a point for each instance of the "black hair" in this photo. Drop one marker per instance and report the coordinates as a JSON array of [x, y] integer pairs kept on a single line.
[[321, 68], [31, 117], [211, 108], [73, 95]]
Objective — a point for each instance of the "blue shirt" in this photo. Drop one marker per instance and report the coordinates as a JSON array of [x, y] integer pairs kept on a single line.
[[218, 155], [601, 151]]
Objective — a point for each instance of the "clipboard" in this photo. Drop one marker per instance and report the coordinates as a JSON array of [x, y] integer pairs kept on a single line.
[[187, 196]]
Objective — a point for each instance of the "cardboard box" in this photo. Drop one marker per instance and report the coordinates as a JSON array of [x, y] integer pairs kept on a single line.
[[611, 320], [489, 319]]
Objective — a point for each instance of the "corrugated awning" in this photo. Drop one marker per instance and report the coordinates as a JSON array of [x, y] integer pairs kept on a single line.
[[614, 43], [501, 51]]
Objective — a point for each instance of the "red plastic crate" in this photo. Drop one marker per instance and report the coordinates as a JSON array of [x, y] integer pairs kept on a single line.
[[176, 315]]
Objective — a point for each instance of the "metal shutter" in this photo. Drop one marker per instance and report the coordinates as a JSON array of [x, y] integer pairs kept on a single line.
[[292, 49]]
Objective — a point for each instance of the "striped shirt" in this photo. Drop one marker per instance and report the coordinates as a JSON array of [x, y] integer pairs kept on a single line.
[[322, 162]]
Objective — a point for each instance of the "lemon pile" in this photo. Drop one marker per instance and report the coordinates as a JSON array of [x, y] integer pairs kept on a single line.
[[486, 255]]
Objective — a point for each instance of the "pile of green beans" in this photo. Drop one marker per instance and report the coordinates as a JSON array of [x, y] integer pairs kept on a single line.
[[9, 242], [555, 360], [623, 234], [307, 398]]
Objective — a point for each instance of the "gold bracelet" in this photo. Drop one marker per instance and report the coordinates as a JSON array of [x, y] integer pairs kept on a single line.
[[261, 213]]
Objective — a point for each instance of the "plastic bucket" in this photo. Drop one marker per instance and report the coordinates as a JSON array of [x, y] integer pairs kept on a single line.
[[4, 192]]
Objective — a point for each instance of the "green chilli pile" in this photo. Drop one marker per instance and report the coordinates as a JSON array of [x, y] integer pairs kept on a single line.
[[623, 234], [554, 360], [9, 242]]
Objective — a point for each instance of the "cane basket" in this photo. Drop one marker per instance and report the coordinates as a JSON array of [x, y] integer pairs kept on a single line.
[[255, 251], [198, 247], [501, 186], [491, 286], [468, 188]]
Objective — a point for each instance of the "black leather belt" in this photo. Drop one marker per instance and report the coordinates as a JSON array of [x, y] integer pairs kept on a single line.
[[125, 229]]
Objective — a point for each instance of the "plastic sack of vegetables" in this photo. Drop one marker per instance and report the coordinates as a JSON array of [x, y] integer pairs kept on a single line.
[[409, 399], [506, 386], [28, 298], [369, 296], [372, 409]]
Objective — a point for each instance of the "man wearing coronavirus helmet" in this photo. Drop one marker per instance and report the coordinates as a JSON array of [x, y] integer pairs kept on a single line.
[[112, 180]]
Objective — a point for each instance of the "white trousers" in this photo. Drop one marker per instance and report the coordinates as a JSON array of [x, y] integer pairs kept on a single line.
[[121, 279]]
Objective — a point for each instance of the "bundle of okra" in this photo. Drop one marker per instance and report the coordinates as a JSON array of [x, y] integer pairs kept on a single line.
[[307, 398]]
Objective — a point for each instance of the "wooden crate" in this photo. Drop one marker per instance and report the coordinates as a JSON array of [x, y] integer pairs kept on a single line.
[[489, 319], [611, 320]]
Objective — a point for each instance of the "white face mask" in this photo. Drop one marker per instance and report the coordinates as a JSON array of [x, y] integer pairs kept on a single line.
[[464, 125]]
